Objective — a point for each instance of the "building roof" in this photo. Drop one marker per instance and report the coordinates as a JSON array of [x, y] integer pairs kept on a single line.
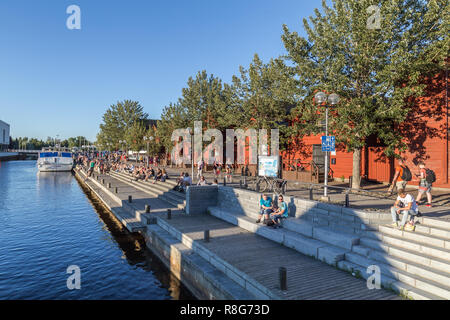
[[3, 122]]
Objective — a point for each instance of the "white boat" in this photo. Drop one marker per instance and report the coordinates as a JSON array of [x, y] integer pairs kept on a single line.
[[55, 160]]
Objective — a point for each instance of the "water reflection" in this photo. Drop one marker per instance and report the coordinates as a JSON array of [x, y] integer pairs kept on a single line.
[[47, 223]]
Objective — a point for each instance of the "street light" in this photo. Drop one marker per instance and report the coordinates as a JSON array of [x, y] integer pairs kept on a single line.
[[332, 99]]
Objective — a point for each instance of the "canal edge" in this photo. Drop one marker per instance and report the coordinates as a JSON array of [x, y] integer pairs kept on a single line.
[[198, 275]]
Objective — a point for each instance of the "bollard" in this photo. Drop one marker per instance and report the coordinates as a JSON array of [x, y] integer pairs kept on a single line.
[[245, 182], [311, 192], [169, 214], [206, 236], [103, 181], [117, 190], [350, 181], [224, 181], [283, 278], [240, 183], [130, 199], [347, 199], [147, 208], [109, 185]]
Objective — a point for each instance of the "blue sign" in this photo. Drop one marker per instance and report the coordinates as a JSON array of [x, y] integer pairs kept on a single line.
[[328, 143]]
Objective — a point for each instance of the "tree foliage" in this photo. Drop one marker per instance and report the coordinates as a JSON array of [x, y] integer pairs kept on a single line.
[[374, 71]]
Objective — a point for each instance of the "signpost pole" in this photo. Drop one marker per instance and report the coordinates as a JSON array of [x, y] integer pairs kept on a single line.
[[325, 189]]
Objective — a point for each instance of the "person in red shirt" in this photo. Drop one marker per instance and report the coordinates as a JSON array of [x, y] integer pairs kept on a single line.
[[398, 181]]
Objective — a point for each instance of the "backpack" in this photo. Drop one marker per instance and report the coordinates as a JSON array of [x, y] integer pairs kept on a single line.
[[406, 176], [431, 176]]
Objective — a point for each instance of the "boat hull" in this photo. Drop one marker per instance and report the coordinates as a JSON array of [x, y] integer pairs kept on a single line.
[[55, 167]]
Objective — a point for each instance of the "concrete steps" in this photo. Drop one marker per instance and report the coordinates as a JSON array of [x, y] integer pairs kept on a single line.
[[401, 288], [402, 274], [318, 249], [158, 190], [414, 262], [419, 259]]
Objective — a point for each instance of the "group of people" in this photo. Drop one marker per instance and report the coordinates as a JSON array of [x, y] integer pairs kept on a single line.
[[106, 162], [405, 203], [217, 170], [272, 212]]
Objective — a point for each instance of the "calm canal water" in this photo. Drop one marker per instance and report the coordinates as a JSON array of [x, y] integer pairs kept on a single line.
[[48, 223]]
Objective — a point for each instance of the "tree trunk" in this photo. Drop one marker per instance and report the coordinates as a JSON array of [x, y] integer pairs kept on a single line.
[[356, 179]]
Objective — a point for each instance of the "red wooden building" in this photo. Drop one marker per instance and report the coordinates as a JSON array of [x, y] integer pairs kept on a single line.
[[425, 132]]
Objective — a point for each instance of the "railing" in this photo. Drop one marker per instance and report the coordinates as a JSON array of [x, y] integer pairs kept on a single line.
[[22, 151], [246, 183]]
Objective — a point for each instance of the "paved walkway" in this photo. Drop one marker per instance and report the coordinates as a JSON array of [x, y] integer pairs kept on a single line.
[[258, 257], [383, 202]]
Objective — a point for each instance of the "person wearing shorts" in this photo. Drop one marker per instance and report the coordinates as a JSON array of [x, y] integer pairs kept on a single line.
[[398, 181], [424, 185]]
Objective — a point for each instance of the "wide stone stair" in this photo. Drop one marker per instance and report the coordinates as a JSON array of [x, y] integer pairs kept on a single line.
[[162, 190], [414, 264]]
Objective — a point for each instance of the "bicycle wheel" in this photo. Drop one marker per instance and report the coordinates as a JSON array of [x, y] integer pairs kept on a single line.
[[263, 185], [278, 186]]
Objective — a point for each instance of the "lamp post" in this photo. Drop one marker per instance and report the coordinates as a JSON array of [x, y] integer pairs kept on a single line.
[[332, 99]]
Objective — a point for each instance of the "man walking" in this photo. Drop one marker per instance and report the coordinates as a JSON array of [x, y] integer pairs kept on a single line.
[[401, 177]]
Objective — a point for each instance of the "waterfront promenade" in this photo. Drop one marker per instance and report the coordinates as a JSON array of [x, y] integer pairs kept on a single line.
[[236, 263]]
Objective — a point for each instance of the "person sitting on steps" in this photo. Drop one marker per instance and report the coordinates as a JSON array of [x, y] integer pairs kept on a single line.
[[281, 213], [266, 208], [408, 208]]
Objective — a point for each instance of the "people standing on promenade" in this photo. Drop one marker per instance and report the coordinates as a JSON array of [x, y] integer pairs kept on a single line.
[[200, 166], [407, 205], [91, 167], [228, 171], [401, 177], [427, 177]]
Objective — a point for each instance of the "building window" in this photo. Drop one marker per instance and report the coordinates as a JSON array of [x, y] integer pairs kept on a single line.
[[4, 136]]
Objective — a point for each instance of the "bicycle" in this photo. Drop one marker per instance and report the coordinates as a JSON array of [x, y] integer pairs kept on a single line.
[[263, 184]]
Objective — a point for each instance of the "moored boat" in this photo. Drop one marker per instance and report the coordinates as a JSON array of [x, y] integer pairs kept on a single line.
[[55, 160]]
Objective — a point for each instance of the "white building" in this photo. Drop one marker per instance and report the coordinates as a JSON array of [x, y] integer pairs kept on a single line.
[[4, 135]]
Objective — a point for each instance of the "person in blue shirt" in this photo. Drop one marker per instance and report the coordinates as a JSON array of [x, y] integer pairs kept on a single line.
[[280, 213], [266, 208]]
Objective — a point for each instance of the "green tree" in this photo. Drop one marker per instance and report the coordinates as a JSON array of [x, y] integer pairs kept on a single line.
[[373, 70], [266, 97], [119, 123]]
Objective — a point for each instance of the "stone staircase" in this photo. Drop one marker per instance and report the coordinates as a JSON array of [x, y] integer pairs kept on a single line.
[[161, 190], [414, 264]]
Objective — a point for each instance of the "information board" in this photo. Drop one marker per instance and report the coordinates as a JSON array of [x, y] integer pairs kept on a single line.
[[268, 166]]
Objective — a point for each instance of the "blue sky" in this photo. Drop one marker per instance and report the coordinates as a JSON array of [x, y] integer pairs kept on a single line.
[[56, 81]]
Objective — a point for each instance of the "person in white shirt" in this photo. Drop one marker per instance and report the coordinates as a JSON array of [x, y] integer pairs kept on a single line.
[[408, 208], [202, 181], [187, 181], [200, 165]]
